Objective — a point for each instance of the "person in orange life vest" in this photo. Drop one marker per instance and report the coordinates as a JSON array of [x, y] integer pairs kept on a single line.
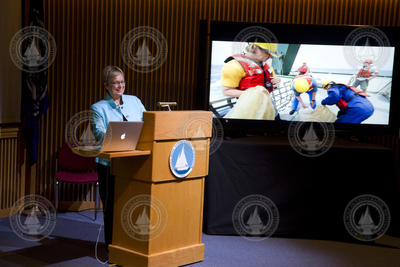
[[303, 69], [243, 71], [365, 74], [352, 102], [303, 84]]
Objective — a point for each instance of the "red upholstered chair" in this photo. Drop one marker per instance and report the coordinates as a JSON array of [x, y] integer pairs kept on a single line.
[[75, 169]]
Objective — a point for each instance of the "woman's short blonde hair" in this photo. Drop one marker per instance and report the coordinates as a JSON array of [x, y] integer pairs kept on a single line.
[[110, 72]]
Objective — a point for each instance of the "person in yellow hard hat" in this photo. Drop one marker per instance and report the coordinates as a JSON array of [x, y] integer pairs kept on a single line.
[[303, 84], [354, 107], [250, 69], [303, 69], [243, 71], [365, 74]]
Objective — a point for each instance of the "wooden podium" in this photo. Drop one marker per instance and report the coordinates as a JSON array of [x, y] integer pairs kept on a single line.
[[157, 216]]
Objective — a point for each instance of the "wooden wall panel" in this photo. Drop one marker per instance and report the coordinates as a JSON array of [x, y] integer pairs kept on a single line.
[[10, 75], [89, 33], [12, 182]]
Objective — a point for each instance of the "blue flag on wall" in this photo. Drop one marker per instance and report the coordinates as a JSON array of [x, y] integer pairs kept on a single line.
[[35, 95]]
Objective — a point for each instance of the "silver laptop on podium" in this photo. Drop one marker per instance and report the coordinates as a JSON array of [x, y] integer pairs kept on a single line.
[[121, 136]]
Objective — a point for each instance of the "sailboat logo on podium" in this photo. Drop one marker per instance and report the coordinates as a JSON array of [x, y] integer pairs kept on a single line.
[[182, 158]]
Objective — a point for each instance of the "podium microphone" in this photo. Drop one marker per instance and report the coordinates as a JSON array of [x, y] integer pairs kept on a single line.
[[167, 104]]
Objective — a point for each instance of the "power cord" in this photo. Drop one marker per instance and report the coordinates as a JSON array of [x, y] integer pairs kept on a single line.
[[95, 250]]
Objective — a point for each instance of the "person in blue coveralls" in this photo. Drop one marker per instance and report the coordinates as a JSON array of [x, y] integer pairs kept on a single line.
[[352, 102], [303, 84], [116, 106]]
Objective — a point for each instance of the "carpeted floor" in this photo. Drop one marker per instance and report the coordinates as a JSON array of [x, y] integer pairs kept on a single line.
[[73, 243]]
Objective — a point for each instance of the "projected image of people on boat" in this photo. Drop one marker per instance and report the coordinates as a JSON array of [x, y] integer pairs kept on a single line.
[[315, 83]]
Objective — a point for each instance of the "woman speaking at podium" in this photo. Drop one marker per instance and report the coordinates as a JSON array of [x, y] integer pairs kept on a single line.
[[115, 107]]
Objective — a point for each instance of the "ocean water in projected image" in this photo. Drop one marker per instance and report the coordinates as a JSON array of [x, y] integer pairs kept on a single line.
[[379, 88]]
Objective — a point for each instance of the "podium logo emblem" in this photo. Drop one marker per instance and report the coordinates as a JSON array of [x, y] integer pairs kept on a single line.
[[182, 158], [366, 217]]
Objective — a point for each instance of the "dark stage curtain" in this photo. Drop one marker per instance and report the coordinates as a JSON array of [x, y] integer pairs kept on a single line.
[[310, 193]]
